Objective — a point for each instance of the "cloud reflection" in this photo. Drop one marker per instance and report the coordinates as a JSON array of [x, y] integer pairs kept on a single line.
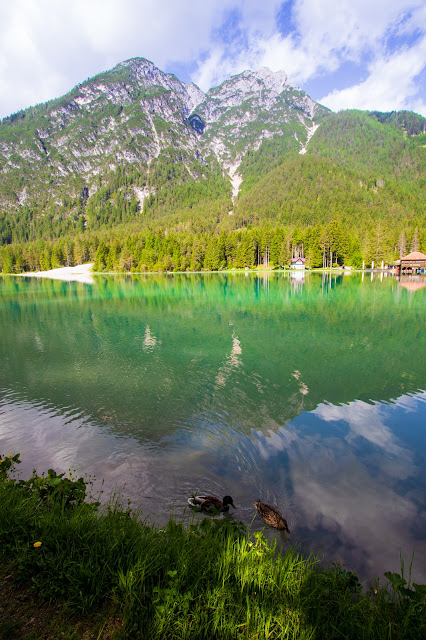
[[350, 500], [346, 483], [365, 421]]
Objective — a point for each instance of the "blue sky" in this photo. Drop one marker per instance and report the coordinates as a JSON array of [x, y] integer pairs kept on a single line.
[[366, 54]]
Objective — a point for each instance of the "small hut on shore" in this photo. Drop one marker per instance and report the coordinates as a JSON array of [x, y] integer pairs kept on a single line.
[[298, 263], [414, 262]]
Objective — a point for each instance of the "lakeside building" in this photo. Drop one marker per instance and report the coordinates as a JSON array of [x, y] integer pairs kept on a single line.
[[413, 263], [298, 263]]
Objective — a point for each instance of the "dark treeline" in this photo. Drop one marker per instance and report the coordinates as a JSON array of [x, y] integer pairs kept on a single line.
[[124, 249]]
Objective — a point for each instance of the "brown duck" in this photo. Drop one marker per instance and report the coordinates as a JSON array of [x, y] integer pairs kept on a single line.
[[209, 504], [271, 516]]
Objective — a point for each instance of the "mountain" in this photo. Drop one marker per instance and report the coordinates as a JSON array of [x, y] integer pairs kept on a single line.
[[252, 107], [138, 118], [356, 167], [136, 146], [124, 117]]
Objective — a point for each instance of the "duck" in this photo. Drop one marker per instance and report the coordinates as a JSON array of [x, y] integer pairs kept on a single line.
[[271, 516], [209, 504]]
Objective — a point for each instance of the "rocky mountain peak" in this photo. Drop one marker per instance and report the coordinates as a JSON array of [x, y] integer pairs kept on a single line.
[[137, 114], [250, 83], [147, 75], [251, 107], [272, 80], [146, 72]]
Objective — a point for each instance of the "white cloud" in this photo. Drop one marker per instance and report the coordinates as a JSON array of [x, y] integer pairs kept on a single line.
[[325, 37], [349, 27], [391, 84], [48, 46], [357, 526]]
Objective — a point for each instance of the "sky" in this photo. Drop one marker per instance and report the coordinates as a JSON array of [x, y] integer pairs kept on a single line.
[[364, 54]]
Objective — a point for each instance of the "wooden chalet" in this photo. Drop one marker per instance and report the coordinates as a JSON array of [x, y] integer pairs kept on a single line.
[[414, 262]]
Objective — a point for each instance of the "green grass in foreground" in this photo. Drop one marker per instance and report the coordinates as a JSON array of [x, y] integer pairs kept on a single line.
[[210, 580]]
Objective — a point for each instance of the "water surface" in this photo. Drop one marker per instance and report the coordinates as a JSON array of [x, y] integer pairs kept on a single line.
[[307, 393]]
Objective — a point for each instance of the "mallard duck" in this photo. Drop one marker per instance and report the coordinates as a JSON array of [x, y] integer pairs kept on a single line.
[[210, 503], [271, 516]]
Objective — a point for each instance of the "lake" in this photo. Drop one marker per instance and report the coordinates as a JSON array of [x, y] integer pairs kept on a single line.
[[307, 392]]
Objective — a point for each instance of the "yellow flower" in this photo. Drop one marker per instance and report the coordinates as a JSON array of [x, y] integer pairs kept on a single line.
[[37, 544], [376, 592]]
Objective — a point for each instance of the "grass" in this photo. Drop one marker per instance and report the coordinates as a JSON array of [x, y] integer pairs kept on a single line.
[[107, 574], [23, 616]]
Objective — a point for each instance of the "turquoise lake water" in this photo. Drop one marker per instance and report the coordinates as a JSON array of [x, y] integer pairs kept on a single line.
[[308, 393]]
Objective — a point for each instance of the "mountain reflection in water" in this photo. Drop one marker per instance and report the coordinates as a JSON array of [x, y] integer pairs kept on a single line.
[[305, 394]]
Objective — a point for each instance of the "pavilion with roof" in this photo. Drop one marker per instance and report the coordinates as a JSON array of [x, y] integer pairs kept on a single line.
[[414, 262]]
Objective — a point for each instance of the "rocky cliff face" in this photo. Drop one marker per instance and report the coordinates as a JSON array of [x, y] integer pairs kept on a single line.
[[251, 107], [136, 114]]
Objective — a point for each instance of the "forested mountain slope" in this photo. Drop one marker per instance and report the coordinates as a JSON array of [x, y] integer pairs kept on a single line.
[[136, 151], [375, 150], [365, 172], [136, 137]]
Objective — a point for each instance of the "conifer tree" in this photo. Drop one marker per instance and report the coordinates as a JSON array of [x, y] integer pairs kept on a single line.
[[402, 245], [415, 240]]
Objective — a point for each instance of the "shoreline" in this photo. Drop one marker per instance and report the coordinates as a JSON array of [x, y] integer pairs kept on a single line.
[[84, 273], [80, 273], [56, 535]]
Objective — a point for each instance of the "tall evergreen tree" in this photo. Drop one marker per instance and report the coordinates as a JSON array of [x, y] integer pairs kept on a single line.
[[415, 241]]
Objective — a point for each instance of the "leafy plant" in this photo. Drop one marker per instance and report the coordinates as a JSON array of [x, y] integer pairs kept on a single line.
[[7, 465], [67, 491], [400, 586]]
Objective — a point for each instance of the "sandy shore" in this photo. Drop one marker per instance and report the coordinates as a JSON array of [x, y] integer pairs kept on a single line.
[[80, 273]]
